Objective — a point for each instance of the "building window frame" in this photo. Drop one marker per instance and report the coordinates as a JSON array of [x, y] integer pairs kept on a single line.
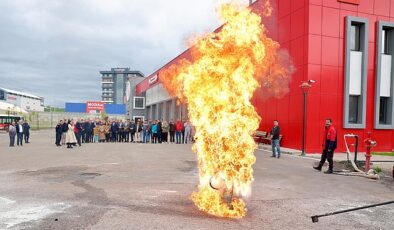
[[362, 23], [388, 122], [134, 99]]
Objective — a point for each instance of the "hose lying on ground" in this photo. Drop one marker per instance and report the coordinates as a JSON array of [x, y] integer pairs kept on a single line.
[[371, 174]]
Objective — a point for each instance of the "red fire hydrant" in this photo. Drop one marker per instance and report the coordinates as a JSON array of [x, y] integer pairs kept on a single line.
[[369, 143]]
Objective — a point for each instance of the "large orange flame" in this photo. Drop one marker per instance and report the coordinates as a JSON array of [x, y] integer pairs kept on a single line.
[[218, 83]]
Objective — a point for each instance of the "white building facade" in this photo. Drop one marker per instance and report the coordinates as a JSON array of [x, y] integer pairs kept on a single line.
[[26, 101]]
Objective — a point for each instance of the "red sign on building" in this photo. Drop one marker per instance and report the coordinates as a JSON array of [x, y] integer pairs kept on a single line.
[[94, 106]]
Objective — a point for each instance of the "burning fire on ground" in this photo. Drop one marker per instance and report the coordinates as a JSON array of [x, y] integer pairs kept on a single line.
[[218, 83]]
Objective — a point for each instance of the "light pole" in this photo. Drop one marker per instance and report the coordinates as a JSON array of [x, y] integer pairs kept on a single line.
[[305, 86]]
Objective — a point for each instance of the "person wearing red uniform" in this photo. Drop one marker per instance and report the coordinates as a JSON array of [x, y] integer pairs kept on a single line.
[[178, 130], [329, 145]]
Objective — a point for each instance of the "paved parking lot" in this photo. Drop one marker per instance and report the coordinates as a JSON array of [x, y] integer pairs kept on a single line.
[[145, 186]]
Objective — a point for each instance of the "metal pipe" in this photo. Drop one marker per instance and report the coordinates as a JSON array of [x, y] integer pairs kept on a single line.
[[303, 126], [316, 218]]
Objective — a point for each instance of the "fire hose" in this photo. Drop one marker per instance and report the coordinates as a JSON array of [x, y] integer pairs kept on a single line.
[[315, 219], [370, 174]]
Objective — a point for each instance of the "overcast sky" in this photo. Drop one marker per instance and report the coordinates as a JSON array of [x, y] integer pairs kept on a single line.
[[56, 48]]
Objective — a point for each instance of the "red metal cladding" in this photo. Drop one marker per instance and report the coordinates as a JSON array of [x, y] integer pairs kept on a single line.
[[317, 50]]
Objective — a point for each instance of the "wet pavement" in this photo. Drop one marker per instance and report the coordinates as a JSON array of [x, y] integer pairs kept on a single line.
[[145, 186]]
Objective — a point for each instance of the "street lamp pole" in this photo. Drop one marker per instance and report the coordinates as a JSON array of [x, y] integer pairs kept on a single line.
[[305, 86]]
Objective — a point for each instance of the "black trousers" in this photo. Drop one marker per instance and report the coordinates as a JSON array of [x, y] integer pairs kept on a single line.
[[58, 138], [27, 136], [126, 136], [327, 155], [19, 138], [83, 136], [120, 136], [87, 137], [78, 136], [113, 136], [172, 136]]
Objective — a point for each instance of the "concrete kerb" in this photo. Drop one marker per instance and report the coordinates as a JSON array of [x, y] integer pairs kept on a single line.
[[387, 167]]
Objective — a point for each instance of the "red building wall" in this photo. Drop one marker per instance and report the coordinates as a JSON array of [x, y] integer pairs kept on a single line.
[[313, 32]]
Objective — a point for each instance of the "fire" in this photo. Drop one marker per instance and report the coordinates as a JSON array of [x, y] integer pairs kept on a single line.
[[218, 84]]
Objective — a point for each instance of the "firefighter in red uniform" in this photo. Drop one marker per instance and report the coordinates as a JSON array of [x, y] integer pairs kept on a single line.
[[329, 145]]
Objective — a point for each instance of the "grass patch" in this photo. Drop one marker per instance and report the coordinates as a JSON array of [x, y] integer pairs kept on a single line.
[[384, 153], [377, 169]]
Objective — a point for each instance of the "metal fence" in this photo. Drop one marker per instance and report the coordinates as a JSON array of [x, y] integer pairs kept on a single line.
[[47, 120]]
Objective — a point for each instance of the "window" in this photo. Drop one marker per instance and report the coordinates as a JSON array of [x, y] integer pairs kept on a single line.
[[353, 109], [139, 103], [355, 37], [383, 110], [384, 80], [2, 95], [355, 73], [386, 41]]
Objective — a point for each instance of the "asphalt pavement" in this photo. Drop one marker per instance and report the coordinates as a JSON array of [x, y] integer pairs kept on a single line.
[[147, 186]]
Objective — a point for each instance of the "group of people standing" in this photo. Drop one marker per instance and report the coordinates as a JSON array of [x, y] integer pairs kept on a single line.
[[20, 130], [72, 133]]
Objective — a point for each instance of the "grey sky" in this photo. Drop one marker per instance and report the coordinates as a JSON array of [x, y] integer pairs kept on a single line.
[[56, 48]]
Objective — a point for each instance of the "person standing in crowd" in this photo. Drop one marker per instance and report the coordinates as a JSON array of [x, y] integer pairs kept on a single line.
[[102, 132], [65, 130], [159, 131], [145, 133], [107, 128], [127, 130], [172, 131], [329, 145], [86, 127], [188, 131], [78, 131], [26, 131], [19, 133], [96, 132], [59, 132], [120, 131], [133, 130], [75, 132], [91, 128], [114, 131], [154, 132], [165, 129], [275, 134], [70, 136], [12, 133], [183, 132], [178, 130], [83, 131], [139, 132]]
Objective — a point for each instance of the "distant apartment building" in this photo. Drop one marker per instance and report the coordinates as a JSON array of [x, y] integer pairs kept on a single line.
[[118, 87], [114, 84], [25, 101]]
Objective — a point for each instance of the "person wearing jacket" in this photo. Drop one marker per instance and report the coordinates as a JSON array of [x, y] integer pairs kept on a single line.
[[26, 131], [165, 130], [178, 130], [114, 131], [329, 145], [19, 133], [59, 132], [65, 129], [274, 134], [172, 131], [12, 133], [154, 132], [188, 131], [70, 135]]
